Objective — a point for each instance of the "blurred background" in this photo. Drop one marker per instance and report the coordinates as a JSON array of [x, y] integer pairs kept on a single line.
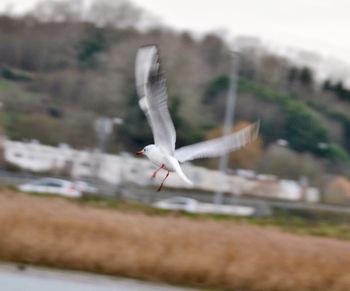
[[70, 121], [67, 80]]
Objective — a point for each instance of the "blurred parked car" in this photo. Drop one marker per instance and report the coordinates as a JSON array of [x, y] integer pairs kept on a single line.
[[51, 186], [194, 206], [85, 187], [178, 203]]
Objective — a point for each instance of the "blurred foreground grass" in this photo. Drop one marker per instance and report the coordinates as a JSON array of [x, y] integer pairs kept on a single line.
[[128, 239]]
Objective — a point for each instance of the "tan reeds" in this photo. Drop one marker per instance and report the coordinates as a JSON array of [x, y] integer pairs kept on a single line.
[[56, 232]]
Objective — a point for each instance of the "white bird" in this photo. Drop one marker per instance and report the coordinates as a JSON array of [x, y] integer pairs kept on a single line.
[[152, 92]]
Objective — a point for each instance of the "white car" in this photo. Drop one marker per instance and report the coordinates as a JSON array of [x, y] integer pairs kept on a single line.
[[178, 203], [194, 206], [85, 187], [51, 186]]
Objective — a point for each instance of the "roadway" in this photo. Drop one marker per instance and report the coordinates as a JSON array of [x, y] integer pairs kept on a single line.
[[262, 205], [30, 278]]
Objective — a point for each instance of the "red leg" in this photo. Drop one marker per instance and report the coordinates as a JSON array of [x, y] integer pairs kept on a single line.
[[156, 171], [161, 185]]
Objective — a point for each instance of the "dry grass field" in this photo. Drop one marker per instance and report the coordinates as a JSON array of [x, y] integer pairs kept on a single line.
[[214, 254]]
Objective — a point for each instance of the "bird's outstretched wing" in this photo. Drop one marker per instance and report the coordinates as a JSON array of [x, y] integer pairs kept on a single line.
[[218, 146], [151, 89]]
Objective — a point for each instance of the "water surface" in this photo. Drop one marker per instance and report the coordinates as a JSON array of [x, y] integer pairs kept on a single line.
[[39, 279]]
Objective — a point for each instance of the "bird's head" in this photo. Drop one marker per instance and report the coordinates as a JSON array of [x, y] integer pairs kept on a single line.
[[146, 150]]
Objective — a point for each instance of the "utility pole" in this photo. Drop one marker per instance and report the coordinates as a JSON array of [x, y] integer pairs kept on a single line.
[[103, 129], [229, 118]]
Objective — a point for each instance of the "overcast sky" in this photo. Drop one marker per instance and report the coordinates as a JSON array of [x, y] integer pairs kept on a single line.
[[321, 26]]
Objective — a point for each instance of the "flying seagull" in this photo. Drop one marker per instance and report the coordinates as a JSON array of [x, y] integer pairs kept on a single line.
[[152, 93]]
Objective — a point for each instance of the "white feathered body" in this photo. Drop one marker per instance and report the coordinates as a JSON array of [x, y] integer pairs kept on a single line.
[[159, 158]]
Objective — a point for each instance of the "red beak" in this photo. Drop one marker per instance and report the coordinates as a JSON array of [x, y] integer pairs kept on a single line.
[[139, 153]]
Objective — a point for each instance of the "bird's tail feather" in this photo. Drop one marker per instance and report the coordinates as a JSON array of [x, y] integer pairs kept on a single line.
[[179, 171]]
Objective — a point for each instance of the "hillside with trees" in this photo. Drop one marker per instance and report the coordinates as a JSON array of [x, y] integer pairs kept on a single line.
[[60, 69]]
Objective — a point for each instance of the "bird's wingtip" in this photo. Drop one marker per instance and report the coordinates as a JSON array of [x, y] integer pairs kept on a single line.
[[151, 46]]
